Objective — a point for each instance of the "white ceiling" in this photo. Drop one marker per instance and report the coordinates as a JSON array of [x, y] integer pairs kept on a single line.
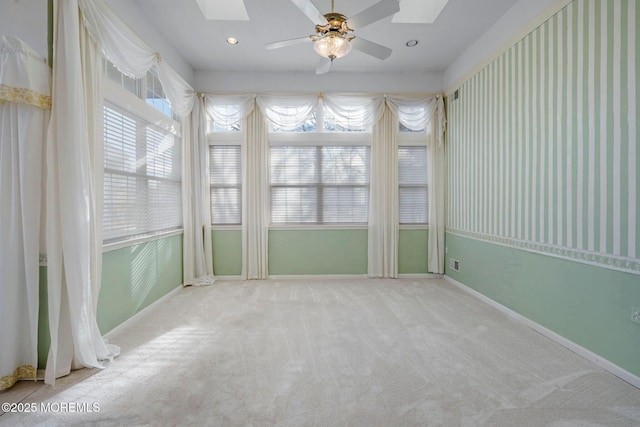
[[203, 45]]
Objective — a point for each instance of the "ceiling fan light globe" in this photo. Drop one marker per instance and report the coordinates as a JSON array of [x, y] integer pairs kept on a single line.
[[332, 47]]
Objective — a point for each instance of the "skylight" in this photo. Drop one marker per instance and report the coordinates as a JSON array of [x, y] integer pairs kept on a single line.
[[223, 10], [419, 11]]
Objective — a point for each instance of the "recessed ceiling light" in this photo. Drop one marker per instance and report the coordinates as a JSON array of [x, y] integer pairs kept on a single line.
[[412, 43], [232, 40]]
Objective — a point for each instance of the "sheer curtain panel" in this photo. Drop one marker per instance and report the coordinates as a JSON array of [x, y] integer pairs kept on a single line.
[[353, 112], [428, 114], [383, 201], [255, 212], [437, 186], [287, 112], [197, 252], [24, 114], [74, 198]]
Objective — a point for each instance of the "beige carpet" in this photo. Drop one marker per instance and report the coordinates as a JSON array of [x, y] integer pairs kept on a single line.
[[333, 353]]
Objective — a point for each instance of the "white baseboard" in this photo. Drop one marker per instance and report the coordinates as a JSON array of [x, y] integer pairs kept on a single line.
[[349, 276], [333, 276], [420, 276], [576, 348], [316, 276], [142, 312]]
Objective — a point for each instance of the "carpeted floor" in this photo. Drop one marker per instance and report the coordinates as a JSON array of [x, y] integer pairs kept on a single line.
[[357, 352]]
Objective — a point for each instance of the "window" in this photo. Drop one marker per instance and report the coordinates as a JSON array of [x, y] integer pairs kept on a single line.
[[142, 176], [319, 171], [148, 88], [129, 84], [225, 164], [231, 112], [413, 185], [226, 184], [321, 120], [319, 184], [155, 95]]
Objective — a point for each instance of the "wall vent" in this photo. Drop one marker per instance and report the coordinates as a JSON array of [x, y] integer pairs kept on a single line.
[[454, 264]]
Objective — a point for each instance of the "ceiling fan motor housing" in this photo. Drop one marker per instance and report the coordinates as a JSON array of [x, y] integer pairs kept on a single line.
[[336, 23]]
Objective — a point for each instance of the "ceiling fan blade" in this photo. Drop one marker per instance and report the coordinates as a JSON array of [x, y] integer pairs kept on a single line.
[[374, 13], [324, 66], [285, 43], [371, 48], [310, 10]]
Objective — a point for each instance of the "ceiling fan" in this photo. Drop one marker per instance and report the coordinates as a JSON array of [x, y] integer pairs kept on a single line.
[[333, 38]]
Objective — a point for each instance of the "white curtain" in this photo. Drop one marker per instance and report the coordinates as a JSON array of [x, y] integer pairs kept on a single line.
[[287, 112], [197, 250], [413, 113], [416, 114], [24, 114], [255, 196], [437, 186], [131, 55], [228, 110], [354, 112], [74, 193], [383, 199]]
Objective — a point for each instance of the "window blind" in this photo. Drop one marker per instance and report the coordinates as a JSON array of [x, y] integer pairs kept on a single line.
[[319, 184], [413, 185], [142, 176], [225, 184]]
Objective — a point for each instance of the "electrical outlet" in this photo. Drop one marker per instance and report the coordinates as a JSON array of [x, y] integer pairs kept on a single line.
[[454, 264], [635, 315]]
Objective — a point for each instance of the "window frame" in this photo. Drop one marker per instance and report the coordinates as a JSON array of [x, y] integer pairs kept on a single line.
[[129, 102]]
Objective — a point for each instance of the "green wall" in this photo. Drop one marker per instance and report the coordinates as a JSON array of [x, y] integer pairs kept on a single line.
[[136, 276], [227, 252], [589, 305], [542, 189], [317, 252], [132, 278], [412, 251]]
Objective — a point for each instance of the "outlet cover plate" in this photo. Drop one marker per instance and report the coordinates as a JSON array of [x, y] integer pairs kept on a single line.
[[635, 315]]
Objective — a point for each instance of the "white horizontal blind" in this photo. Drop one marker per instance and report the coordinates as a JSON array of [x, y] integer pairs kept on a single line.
[[225, 184], [319, 184], [142, 176], [413, 185]]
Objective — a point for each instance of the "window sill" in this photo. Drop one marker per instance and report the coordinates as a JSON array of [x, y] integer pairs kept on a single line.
[[414, 226], [138, 240], [234, 227], [280, 227]]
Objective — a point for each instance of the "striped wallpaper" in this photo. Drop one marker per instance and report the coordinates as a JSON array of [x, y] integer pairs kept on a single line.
[[542, 142]]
